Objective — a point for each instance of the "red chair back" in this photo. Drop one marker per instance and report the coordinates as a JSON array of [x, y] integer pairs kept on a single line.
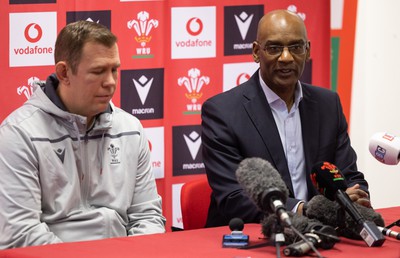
[[195, 199]]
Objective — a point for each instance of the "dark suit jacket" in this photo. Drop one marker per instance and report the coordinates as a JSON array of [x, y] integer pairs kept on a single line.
[[238, 124]]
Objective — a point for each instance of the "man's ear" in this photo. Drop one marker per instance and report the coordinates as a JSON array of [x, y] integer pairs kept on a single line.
[[308, 51], [62, 72], [256, 49]]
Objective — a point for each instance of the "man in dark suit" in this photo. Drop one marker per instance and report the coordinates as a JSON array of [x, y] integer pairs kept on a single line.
[[291, 124]]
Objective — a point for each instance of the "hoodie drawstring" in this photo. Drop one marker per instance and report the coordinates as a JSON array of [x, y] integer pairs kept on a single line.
[[101, 152], [79, 146]]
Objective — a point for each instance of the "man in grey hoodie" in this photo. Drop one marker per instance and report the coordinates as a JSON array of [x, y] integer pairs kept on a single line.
[[73, 166]]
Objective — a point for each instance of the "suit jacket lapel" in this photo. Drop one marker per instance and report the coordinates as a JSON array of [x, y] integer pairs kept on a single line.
[[260, 113], [309, 124]]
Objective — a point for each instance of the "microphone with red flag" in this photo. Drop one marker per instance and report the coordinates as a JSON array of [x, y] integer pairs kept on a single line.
[[330, 182]]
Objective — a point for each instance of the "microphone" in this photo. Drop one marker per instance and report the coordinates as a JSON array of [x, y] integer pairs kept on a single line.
[[324, 210], [264, 185], [236, 238], [331, 183], [389, 233], [385, 148], [304, 225]]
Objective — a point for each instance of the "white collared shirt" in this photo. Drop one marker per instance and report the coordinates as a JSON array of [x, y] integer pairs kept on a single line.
[[289, 127]]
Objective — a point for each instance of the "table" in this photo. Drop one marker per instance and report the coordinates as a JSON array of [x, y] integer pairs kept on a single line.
[[199, 243]]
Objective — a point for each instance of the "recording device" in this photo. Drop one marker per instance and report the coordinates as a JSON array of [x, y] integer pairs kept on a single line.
[[330, 182], [264, 185], [236, 238], [385, 148]]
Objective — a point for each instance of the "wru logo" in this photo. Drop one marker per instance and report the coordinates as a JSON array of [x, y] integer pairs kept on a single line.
[[193, 84]]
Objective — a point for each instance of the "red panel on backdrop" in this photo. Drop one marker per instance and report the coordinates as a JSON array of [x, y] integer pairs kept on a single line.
[[184, 51], [316, 15]]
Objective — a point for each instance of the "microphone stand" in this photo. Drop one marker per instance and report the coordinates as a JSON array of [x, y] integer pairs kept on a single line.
[[279, 237], [396, 223]]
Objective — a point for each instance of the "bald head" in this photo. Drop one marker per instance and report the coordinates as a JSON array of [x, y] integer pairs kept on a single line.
[[280, 22], [282, 49]]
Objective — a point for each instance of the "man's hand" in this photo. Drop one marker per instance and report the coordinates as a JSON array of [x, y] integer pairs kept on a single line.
[[358, 195], [300, 209]]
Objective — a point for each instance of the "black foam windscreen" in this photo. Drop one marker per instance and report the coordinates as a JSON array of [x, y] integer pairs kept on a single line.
[[236, 224], [327, 179], [302, 223], [325, 211], [257, 176]]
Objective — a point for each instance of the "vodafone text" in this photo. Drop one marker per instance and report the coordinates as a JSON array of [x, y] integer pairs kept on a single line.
[[33, 50], [194, 43]]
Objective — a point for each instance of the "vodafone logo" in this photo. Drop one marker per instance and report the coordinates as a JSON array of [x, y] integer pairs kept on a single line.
[[32, 37], [243, 77], [194, 26], [33, 32], [193, 32], [155, 140], [237, 73]]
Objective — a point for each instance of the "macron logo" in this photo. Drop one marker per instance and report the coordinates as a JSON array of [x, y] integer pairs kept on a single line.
[[193, 141], [243, 21], [60, 154], [91, 20], [143, 87]]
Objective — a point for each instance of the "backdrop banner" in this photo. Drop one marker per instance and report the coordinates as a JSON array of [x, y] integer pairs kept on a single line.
[[174, 55]]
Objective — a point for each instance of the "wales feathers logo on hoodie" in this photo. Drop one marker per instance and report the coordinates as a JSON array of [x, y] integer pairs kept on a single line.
[[114, 152]]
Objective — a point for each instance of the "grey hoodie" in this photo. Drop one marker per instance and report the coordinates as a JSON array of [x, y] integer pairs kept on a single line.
[[60, 182]]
